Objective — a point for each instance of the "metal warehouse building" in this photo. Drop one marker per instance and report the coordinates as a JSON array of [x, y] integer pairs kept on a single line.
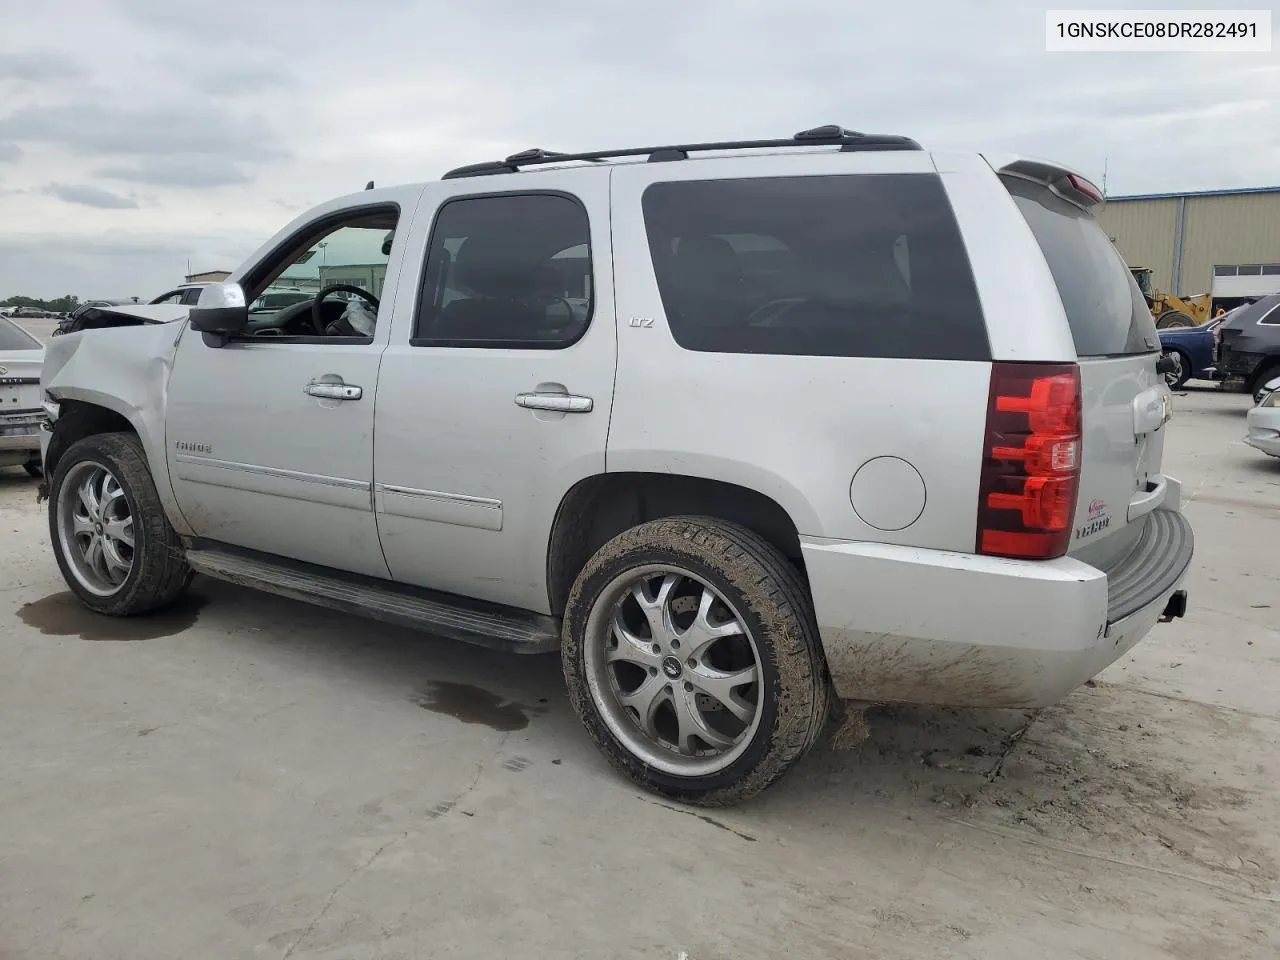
[[1224, 242]]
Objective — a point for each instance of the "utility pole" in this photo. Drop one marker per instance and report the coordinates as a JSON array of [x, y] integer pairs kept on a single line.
[[1104, 177]]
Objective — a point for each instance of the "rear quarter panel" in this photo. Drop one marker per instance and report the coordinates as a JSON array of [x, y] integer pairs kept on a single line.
[[1195, 342], [794, 428]]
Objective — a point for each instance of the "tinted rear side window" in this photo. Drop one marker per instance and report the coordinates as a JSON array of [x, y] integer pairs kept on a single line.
[[12, 338], [1104, 306], [846, 266]]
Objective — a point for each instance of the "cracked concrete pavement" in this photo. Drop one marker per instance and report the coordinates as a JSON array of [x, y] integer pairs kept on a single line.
[[249, 777]]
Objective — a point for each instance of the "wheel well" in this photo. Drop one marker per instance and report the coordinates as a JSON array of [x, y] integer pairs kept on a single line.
[[1268, 369], [78, 419], [599, 508]]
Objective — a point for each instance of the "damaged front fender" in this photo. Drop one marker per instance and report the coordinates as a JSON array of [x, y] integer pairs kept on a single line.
[[124, 371]]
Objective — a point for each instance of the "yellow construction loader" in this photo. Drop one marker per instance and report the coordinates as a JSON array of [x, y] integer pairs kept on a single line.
[[1171, 311]]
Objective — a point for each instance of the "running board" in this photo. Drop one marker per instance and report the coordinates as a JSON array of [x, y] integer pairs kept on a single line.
[[475, 622]]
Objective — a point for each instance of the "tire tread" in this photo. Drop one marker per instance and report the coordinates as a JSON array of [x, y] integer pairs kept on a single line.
[[778, 592], [164, 573]]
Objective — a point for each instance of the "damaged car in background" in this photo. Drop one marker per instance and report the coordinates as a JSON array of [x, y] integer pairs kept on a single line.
[[21, 357]]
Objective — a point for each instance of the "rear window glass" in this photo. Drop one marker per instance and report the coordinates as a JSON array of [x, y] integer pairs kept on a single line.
[[846, 266], [1105, 308], [12, 338]]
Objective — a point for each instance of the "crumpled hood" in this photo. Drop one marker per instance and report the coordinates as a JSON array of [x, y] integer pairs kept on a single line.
[[127, 315]]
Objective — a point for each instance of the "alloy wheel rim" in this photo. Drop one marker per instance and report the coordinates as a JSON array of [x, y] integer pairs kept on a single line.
[[1174, 375], [673, 670], [95, 528]]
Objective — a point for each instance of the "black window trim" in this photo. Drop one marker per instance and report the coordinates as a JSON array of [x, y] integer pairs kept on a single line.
[[495, 344], [315, 229]]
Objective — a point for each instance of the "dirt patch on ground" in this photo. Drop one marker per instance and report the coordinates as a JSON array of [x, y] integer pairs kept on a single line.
[[1104, 772]]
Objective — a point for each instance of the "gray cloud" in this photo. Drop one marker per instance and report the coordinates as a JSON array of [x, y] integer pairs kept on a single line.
[[112, 264], [9, 152], [96, 128], [313, 101], [38, 67], [89, 196], [241, 78], [178, 171]]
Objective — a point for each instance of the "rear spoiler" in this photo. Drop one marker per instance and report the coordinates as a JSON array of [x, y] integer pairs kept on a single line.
[[1070, 186]]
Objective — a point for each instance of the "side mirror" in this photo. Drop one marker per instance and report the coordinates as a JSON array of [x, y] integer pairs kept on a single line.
[[220, 310]]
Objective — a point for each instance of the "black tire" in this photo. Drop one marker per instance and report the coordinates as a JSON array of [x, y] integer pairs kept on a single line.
[[34, 468], [1173, 318], [1184, 369], [773, 604], [159, 571], [1267, 372]]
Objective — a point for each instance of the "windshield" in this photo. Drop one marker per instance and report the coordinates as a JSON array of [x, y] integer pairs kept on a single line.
[[13, 337]]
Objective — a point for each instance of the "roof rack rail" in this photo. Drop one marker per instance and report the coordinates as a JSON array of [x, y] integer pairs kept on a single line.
[[827, 136]]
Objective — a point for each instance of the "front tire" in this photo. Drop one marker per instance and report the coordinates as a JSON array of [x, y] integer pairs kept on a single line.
[[1173, 318], [114, 544], [1182, 373], [692, 658]]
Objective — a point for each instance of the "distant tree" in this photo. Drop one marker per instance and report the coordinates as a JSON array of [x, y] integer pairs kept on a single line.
[[63, 304]]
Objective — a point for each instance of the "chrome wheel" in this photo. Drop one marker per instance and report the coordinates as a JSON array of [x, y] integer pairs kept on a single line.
[[673, 671], [95, 528], [1174, 377]]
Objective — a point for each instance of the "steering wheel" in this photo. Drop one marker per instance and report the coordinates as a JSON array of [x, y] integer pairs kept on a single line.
[[317, 318]]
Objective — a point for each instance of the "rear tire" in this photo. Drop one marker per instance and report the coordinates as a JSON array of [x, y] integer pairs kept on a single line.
[[1173, 318], [113, 542], [677, 723]]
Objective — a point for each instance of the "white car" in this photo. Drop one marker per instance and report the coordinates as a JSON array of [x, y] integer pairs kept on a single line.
[[734, 427], [21, 356], [1264, 419], [185, 293]]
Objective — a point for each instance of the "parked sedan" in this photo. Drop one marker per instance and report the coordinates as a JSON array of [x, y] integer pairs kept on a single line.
[[21, 357], [1264, 419], [1190, 352]]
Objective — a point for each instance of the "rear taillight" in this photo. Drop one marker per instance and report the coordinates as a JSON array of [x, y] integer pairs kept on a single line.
[[1030, 461]]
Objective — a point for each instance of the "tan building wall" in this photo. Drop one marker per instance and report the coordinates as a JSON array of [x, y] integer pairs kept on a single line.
[[1242, 228], [1216, 229], [209, 276], [1144, 231]]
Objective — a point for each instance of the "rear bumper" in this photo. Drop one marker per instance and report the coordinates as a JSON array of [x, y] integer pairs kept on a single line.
[[927, 626], [19, 435], [1237, 365], [1264, 430]]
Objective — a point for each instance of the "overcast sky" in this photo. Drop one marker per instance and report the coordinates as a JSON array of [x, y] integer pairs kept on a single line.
[[138, 135]]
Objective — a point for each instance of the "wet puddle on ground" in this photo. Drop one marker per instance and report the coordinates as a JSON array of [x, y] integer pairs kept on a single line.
[[470, 704], [63, 615]]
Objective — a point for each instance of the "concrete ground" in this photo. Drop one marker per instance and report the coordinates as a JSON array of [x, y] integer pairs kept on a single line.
[[250, 777]]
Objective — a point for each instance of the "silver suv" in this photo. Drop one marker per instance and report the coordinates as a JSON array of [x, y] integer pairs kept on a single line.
[[735, 427]]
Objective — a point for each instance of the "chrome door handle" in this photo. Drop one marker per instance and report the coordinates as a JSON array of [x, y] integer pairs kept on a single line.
[[559, 402], [333, 391]]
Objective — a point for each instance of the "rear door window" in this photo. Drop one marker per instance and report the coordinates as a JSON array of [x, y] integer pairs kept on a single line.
[[1105, 309], [869, 265]]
